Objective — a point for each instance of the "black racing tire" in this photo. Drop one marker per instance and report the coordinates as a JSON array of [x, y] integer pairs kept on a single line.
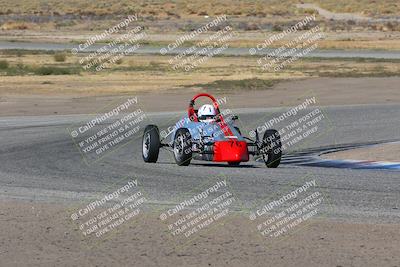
[[272, 148], [151, 144], [182, 147]]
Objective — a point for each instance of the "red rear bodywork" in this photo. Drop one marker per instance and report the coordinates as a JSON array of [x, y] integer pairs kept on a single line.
[[230, 151]]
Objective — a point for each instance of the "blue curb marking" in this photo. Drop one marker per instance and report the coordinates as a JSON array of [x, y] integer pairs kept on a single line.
[[353, 164]]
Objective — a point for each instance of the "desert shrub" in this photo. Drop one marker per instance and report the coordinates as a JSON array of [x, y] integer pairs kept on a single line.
[[3, 64], [310, 11], [60, 57], [277, 28], [54, 71], [15, 25], [248, 26]]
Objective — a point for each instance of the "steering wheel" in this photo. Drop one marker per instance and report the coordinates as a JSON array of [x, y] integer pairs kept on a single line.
[[192, 112]]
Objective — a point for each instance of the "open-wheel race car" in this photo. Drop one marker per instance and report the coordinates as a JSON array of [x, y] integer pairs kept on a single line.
[[210, 135]]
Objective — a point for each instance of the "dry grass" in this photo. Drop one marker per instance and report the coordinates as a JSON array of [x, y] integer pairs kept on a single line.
[[184, 8], [172, 18], [366, 7], [389, 44], [152, 72], [333, 40], [17, 25]]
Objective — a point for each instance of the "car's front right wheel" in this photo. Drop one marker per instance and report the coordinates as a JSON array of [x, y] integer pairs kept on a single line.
[[182, 147], [151, 143]]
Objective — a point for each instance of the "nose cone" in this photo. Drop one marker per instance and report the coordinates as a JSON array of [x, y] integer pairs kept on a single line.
[[232, 150]]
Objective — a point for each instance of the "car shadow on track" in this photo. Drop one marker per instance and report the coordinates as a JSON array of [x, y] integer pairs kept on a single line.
[[225, 165]]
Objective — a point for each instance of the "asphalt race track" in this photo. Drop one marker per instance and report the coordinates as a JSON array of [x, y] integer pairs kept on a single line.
[[231, 51], [38, 161]]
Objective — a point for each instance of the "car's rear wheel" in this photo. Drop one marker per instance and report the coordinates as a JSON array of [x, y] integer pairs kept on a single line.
[[182, 147], [272, 148], [151, 143]]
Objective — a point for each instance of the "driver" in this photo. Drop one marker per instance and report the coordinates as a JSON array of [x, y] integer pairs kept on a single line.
[[207, 113]]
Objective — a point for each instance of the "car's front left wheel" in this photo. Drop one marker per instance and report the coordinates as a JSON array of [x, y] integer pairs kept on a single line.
[[272, 148]]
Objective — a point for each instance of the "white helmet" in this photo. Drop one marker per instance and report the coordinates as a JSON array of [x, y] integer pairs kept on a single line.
[[207, 113]]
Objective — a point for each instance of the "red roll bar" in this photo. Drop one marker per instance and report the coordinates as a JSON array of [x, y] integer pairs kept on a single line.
[[192, 114]]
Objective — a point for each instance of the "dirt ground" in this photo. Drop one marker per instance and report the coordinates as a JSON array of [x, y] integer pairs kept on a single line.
[[53, 239], [328, 91], [386, 152]]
